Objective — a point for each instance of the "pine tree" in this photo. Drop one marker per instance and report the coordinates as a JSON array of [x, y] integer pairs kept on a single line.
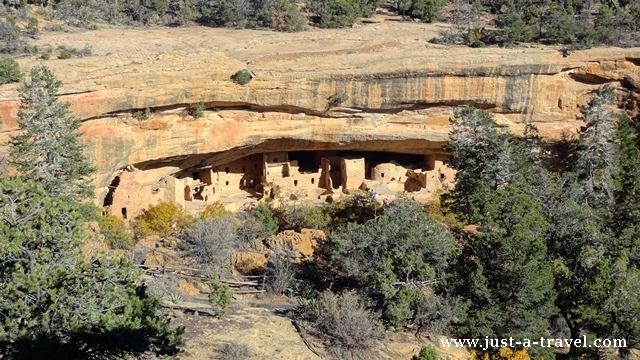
[[596, 155], [482, 157], [48, 149]]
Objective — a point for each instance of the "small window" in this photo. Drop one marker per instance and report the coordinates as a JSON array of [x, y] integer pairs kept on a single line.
[[255, 180], [242, 159], [226, 183], [241, 183], [249, 157], [195, 176], [124, 212], [313, 181], [382, 175], [441, 176], [255, 166], [227, 170], [275, 159], [243, 169], [295, 182]]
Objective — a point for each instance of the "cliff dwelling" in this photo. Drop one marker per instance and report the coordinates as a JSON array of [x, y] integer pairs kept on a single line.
[[317, 174]]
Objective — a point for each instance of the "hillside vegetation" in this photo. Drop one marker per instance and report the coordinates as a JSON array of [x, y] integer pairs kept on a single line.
[[575, 24]]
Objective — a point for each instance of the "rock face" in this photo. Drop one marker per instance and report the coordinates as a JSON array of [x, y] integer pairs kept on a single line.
[[397, 95]]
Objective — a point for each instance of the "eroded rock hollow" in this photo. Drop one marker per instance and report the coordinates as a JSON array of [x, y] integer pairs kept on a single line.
[[396, 94]]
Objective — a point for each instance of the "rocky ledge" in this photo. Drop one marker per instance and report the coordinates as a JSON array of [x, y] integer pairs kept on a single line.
[[398, 91]]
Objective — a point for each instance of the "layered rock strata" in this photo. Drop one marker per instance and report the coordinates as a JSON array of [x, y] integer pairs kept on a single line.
[[398, 94]]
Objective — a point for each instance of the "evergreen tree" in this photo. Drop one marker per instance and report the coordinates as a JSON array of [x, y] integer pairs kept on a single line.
[[596, 156], [503, 273], [626, 218], [483, 159], [403, 245], [54, 301], [48, 149]]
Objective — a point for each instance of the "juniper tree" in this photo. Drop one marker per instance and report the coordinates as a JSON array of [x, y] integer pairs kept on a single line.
[[403, 245], [626, 215], [503, 272], [48, 149], [53, 300]]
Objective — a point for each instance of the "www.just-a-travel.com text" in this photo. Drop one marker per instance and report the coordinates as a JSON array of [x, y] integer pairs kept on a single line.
[[488, 343]]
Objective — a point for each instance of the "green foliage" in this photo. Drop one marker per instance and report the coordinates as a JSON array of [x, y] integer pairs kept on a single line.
[[264, 216], [142, 115], [32, 27], [560, 26], [242, 77], [356, 208], [48, 150], [483, 159], [10, 38], [73, 308], [219, 297], [427, 353], [197, 111], [513, 29], [503, 272], [402, 245], [89, 211], [115, 232], [45, 56], [58, 27], [64, 54], [9, 71], [162, 219], [339, 13], [427, 10]]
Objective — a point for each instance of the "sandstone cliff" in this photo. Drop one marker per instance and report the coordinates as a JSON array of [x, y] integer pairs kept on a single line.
[[401, 91]]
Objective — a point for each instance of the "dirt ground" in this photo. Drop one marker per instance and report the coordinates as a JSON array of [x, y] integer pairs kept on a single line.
[[266, 327]]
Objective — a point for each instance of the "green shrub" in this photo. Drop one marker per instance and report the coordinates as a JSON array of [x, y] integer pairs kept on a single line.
[[45, 56], [89, 211], [162, 219], [32, 27], [142, 115], [45, 13], [339, 13], [9, 71], [242, 77], [263, 214], [197, 111], [115, 232], [11, 39], [58, 27], [64, 54], [427, 353], [427, 10], [477, 44], [219, 297]]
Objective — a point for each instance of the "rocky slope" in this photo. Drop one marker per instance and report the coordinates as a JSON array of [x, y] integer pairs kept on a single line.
[[401, 91]]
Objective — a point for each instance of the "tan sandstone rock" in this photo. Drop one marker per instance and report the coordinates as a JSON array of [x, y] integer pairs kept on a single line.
[[248, 262], [401, 94], [301, 243]]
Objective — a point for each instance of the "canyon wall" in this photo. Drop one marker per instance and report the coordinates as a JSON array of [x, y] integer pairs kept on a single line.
[[401, 92]]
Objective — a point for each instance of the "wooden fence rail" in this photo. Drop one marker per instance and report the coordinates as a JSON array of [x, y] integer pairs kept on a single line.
[[257, 281]]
